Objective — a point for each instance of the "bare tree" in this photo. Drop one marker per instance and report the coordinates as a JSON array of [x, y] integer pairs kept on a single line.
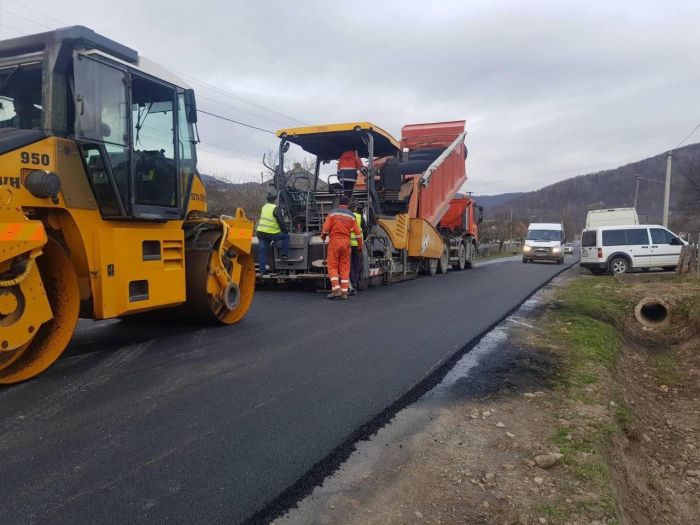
[[223, 198]]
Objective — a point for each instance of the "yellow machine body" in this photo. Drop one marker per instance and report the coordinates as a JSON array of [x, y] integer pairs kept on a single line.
[[62, 256], [114, 268], [424, 241], [397, 229]]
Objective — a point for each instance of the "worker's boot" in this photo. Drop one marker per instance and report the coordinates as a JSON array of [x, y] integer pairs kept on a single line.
[[343, 296], [334, 294]]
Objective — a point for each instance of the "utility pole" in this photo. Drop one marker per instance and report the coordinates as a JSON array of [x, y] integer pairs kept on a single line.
[[667, 193], [511, 224], [636, 192]]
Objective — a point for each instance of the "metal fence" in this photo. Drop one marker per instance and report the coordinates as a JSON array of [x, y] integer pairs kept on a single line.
[[487, 250]]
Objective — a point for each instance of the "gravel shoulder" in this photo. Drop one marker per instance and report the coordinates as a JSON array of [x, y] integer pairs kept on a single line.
[[569, 412]]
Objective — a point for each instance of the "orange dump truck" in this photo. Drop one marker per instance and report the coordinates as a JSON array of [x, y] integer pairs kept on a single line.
[[434, 160]]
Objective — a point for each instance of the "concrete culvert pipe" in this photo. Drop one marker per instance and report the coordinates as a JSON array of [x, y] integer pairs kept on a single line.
[[653, 312]]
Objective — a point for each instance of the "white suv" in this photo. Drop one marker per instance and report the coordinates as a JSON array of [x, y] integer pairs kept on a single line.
[[617, 249]]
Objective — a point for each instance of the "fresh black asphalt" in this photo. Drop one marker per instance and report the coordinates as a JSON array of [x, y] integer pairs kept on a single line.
[[184, 424]]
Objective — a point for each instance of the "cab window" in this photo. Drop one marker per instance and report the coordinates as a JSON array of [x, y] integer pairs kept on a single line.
[[614, 238], [153, 120], [186, 145], [661, 236], [100, 97], [588, 239], [637, 237], [100, 102], [100, 181], [20, 97]]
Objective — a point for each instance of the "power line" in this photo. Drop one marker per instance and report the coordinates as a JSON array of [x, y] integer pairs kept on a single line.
[[242, 110], [39, 13], [234, 96], [558, 172], [235, 121], [169, 133], [687, 137], [192, 78], [677, 146], [27, 19], [13, 28], [202, 149], [230, 156]]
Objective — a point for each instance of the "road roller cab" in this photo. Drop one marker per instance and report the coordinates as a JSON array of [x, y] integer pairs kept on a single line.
[[101, 210]]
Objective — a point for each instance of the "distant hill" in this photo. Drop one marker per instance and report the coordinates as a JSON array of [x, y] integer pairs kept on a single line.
[[488, 201], [570, 200]]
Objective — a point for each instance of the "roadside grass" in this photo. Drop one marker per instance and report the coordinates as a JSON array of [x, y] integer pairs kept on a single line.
[[586, 335], [689, 309], [666, 369], [604, 505]]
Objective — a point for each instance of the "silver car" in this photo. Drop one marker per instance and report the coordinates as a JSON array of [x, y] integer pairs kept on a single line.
[[569, 247]]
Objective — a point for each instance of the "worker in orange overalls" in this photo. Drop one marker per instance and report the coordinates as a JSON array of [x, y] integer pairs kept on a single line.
[[349, 168], [340, 223]]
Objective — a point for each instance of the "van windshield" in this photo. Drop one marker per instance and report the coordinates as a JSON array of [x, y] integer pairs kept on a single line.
[[544, 235]]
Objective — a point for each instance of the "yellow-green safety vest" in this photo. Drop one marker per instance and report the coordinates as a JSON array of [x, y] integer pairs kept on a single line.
[[353, 239], [267, 222]]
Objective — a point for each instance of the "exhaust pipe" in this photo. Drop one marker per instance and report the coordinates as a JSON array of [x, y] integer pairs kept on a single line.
[[653, 312]]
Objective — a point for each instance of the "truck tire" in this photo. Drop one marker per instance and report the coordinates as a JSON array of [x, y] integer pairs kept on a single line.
[[471, 257], [425, 153], [461, 258], [444, 261], [414, 167]]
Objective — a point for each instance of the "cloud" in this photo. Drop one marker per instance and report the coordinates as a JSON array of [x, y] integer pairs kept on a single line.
[[544, 86]]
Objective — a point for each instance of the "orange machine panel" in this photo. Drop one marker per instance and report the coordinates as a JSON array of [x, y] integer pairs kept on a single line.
[[436, 192]]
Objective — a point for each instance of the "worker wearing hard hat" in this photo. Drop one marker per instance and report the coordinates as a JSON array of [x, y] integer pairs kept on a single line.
[[349, 168], [356, 258], [340, 224], [271, 229]]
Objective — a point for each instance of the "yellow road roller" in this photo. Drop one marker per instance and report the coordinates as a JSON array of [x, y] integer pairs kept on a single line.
[[102, 213]]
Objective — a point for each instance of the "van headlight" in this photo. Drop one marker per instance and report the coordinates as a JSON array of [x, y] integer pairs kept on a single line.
[[556, 249], [527, 248]]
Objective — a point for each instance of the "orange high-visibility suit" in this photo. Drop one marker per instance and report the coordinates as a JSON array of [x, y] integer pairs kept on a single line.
[[339, 224]]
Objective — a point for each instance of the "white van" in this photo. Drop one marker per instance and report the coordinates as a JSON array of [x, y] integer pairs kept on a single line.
[[617, 249], [544, 242], [611, 217]]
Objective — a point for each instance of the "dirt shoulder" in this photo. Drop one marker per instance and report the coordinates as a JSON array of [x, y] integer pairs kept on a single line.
[[569, 413]]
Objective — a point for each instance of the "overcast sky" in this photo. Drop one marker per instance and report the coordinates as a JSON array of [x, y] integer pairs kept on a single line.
[[547, 88]]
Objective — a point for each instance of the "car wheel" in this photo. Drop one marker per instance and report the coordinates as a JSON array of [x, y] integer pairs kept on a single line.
[[619, 265], [560, 261]]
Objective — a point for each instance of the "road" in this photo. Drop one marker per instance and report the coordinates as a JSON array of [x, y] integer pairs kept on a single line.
[[183, 424]]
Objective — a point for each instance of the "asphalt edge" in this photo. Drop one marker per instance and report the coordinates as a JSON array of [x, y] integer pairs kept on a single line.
[[315, 476]]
